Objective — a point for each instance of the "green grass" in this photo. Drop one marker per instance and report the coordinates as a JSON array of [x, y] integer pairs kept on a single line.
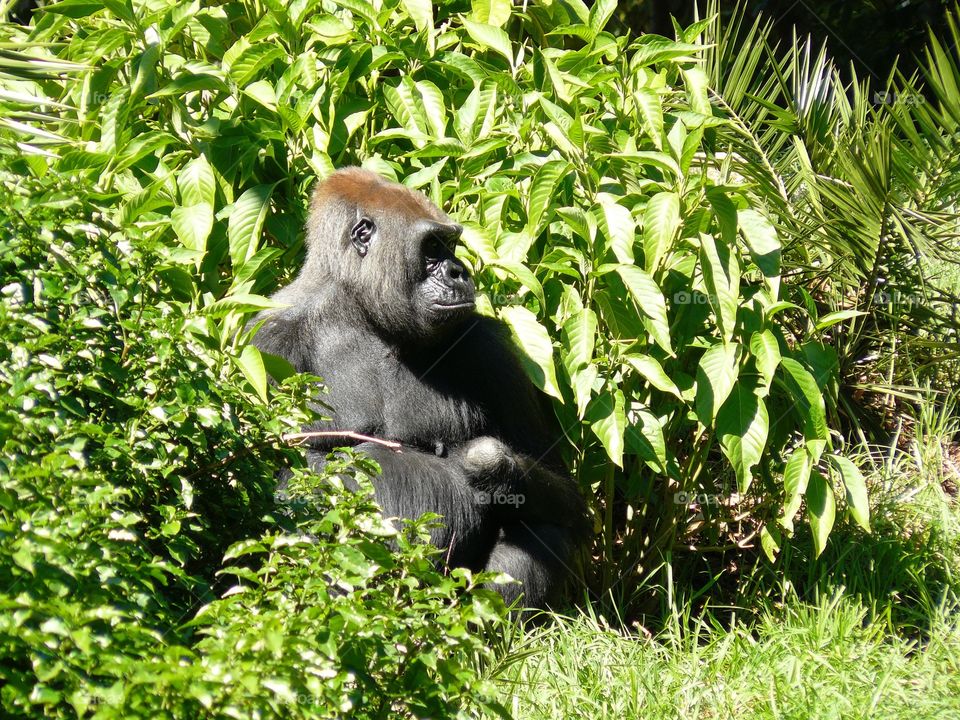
[[871, 629], [805, 661]]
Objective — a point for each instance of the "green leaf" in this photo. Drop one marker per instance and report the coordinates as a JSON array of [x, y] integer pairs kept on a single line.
[[242, 302], [491, 12], [600, 13], [762, 239], [821, 510], [836, 317], [696, 85], [192, 225], [491, 37], [188, 82], [246, 222], [197, 184], [420, 12], [766, 354], [716, 375], [542, 196], [721, 274], [856, 489], [652, 372], [809, 399], [650, 108], [579, 335], [252, 60], [534, 341], [796, 476], [644, 436], [251, 364], [770, 541], [434, 107], [661, 223], [582, 381], [262, 92], [618, 227], [742, 425], [522, 273], [655, 48], [608, 422], [645, 292]]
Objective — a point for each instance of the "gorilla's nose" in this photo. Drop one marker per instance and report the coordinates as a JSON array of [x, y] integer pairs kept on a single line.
[[454, 271]]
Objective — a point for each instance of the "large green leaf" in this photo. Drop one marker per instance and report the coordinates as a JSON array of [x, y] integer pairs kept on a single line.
[[537, 349], [855, 487], [250, 363], [488, 36], [542, 197], [742, 425], [197, 184], [421, 12], [193, 224], [661, 222], [721, 274], [821, 509], [649, 299], [716, 375], [796, 476], [246, 222], [766, 354], [652, 372], [579, 335], [762, 239], [608, 422], [618, 226], [809, 399]]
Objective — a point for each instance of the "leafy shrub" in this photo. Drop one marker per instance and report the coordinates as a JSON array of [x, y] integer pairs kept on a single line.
[[135, 452]]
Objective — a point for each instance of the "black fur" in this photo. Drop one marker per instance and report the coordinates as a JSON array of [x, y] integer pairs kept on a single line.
[[383, 311]]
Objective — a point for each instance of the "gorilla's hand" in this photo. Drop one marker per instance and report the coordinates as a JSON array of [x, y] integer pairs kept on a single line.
[[487, 462]]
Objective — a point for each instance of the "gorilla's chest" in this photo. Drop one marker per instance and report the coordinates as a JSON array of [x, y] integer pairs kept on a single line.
[[435, 398]]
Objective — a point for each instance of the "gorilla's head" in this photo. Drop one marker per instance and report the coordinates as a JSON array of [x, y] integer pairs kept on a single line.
[[390, 250]]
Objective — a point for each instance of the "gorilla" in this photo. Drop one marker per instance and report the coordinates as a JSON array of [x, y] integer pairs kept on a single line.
[[383, 311]]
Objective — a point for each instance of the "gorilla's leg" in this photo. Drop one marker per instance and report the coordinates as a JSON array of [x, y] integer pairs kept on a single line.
[[541, 557]]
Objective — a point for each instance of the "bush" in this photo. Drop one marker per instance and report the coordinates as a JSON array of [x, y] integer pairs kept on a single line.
[[142, 571]]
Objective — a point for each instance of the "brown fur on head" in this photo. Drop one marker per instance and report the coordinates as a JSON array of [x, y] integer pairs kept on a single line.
[[387, 277]]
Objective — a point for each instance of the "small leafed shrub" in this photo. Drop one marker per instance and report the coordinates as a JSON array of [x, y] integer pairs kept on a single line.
[[142, 572]]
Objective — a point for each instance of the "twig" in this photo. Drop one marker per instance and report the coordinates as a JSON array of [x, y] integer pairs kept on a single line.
[[296, 438]]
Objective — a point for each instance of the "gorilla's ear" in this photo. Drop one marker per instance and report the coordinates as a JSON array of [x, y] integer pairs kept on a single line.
[[361, 234]]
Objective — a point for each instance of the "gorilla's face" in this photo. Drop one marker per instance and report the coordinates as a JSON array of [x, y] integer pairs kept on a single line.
[[446, 291], [390, 252], [420, 277], [412, 283]]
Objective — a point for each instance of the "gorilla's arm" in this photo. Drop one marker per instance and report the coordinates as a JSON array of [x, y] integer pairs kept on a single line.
[[413, 483], [514, 478]]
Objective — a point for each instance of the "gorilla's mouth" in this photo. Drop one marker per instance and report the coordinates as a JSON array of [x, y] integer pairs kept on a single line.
[[456, 305]]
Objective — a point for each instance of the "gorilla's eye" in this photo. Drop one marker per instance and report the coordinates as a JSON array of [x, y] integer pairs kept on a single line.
[[361, 234], [433, 252]]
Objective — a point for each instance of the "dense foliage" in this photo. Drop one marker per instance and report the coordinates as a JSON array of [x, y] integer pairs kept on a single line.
[[142, 569], [640, 233]]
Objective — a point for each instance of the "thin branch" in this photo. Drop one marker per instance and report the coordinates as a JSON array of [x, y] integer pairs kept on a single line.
[[297, 438]]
